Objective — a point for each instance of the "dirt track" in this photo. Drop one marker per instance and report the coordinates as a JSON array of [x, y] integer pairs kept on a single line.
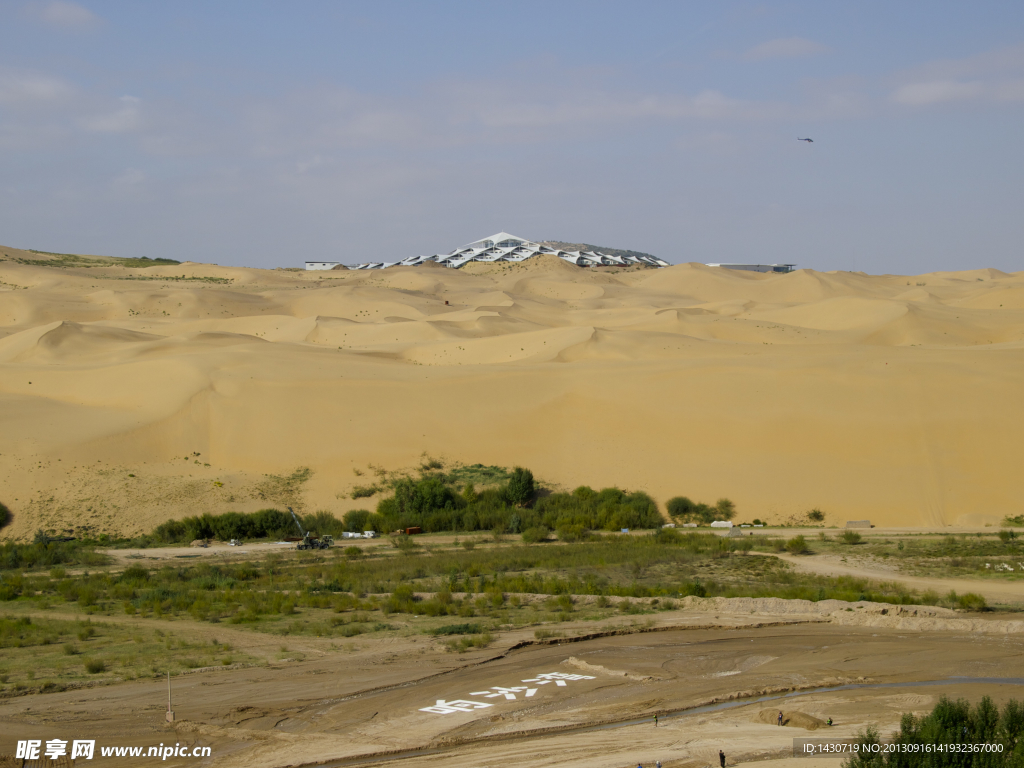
[[995, 592], [371, 698]]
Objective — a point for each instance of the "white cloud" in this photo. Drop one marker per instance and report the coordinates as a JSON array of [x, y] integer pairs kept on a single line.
[[936, 92], [992, 76], [124, 120], [944, 91], [29, 87], [61, 13], [785, 48], [1002, 61]]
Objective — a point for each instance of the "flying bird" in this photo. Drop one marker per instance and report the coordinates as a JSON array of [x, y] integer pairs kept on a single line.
[[809, 141]]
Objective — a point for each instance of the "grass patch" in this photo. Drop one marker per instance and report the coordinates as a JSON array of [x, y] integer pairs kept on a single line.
[[46, 655], [457, 629], [464, 644]]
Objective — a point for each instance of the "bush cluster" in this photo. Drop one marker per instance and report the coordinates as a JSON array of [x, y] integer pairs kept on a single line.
[[434, 503], [16, 556], [950, 723], [266, 523], [683, 510]]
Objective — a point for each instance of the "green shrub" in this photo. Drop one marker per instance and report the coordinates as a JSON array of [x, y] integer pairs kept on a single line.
[[365, 491], [694, 589], [134, 574], [95, 666], [1006, 536], [850, 537], [463, 644], [572, 533], [5, 515], [816, 516], [797, 546], [457, 629], [970, 601], [353, 552], [535, 535], [404, 543]]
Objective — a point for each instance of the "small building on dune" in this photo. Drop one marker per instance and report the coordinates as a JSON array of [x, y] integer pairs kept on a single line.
[[502, 247]]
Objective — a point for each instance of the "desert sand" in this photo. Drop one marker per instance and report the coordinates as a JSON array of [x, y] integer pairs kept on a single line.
[[130, 396]]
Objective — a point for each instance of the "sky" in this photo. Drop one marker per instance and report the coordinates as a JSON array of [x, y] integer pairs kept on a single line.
[[267, 134]]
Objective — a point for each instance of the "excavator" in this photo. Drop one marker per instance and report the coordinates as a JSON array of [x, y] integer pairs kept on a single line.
[[310, 541]]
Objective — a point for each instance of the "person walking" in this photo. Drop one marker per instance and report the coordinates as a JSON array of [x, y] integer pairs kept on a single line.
[[721, 758], [780, 717], [655, 721]]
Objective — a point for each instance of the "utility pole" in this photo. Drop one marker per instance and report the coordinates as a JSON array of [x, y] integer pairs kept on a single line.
[[170, 712]]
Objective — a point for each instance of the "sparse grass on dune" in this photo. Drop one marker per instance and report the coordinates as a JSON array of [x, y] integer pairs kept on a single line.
[[64, 260]]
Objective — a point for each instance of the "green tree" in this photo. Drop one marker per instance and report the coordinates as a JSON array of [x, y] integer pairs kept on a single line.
[[680, 508], [724, 509], [355, 520], [520, 489]]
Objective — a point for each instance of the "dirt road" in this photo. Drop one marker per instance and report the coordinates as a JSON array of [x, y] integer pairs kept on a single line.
[[995, 592]]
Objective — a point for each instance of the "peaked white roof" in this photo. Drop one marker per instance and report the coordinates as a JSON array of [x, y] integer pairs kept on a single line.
[[507, 247], [501, 237]]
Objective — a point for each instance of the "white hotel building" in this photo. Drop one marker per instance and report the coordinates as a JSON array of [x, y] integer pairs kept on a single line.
[[500, 247]]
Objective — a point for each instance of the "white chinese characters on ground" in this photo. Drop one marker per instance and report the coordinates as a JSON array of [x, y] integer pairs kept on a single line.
[[560, 679]]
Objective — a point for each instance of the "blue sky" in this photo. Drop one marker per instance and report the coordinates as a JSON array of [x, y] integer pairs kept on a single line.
[[265, 134]]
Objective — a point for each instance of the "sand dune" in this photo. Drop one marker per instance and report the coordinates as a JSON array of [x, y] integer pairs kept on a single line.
[[888, 397]]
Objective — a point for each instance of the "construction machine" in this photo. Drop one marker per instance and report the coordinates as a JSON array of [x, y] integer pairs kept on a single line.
[[309, 540]]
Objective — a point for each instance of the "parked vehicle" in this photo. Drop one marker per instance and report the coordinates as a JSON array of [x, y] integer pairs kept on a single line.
[[309, 540]]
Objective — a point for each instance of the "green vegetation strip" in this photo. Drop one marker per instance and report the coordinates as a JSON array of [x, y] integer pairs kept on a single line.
[[952, 735]]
